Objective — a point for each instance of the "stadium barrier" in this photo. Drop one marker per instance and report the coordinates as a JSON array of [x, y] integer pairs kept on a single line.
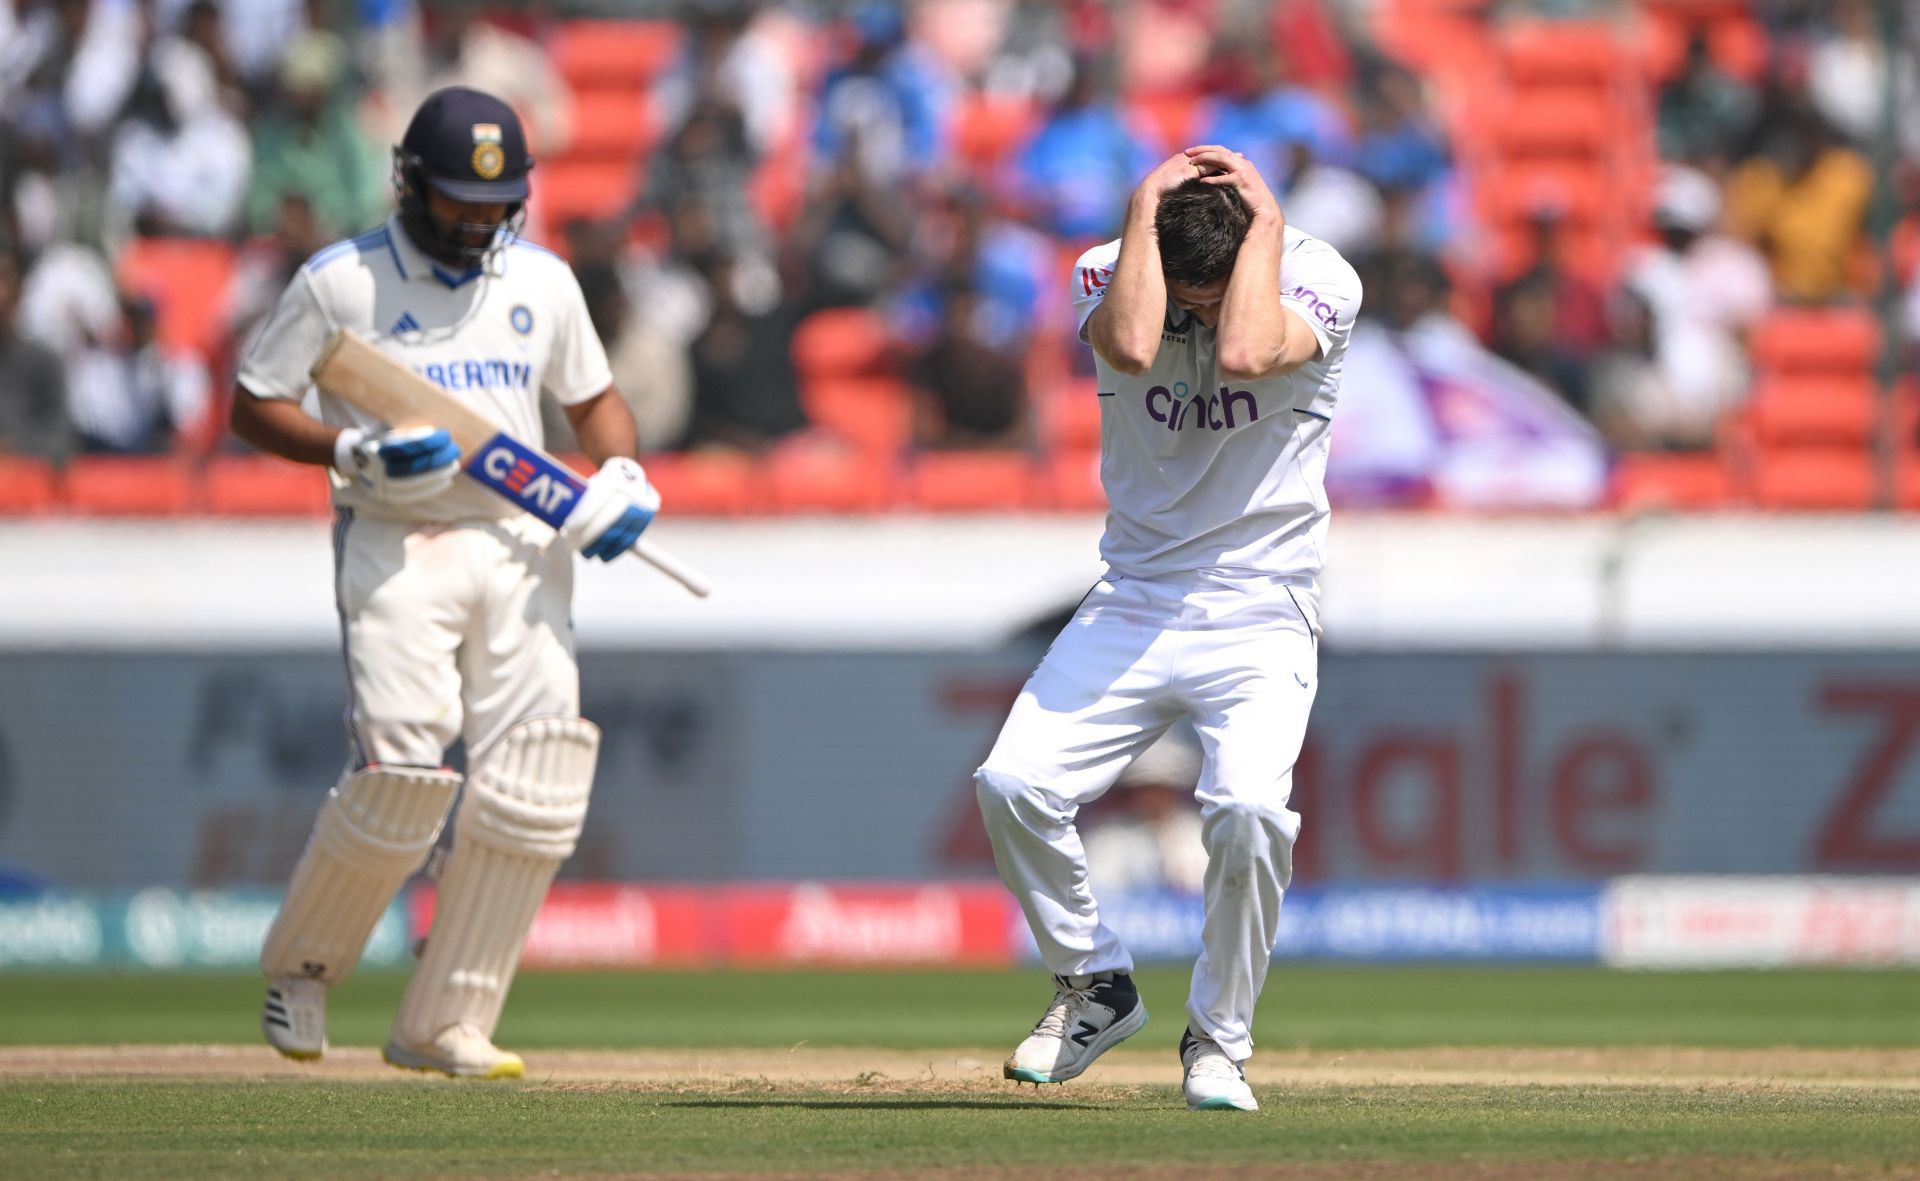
[[1761, 922], [158, 929], [1635, 922]]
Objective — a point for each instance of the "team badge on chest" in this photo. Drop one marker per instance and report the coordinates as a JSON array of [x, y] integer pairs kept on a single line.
[[521, 317]]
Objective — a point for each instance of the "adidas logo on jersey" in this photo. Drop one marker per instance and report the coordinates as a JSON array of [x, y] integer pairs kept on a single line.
[[406, 323]]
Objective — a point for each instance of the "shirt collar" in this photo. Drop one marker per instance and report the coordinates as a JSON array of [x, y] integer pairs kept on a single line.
[[416, 266]]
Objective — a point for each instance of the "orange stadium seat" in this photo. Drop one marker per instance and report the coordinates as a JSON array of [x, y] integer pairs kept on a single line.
[[611, 125], [27, 486], [1907, 494], [1545, 179], [1443, 39], [707, 484], [1680, 483], [1072, 481], [1814, 478], [128, 486], [811, 478], [1562, 52], [1799, 340], [1557, 122], [875, 413], [1736, 42], [262, 486], [841, 342], [1069, 414], [972, 481], [1169, 118], [1517, 196], [187, 280], [987, 129], [609, 52], [1817, 409], [778, 188], [572, 188]]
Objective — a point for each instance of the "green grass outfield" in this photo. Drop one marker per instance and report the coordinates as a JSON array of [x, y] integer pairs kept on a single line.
[[1320, 1007], [1857, 1115]]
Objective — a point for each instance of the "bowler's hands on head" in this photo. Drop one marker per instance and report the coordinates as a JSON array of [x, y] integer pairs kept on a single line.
[[1171, 173], [1221, 166]]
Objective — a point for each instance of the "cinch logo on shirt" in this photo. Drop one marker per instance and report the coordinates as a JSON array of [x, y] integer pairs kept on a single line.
[[1094, 279], [1215, 412], [1322, 310], [473, 375]]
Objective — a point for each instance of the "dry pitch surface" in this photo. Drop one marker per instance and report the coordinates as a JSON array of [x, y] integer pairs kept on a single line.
[[806, 1067]]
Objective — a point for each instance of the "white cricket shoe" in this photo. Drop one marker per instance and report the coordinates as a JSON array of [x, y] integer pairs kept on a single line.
[[294, 1018], [1089, 1016], [1214, 1081], [459, 1051]]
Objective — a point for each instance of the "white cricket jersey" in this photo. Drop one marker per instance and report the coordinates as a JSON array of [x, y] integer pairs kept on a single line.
[[497, 335], [1209, 480]]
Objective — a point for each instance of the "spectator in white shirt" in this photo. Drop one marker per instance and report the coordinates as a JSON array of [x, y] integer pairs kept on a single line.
[[181, 161], [130, 395], [1336, 205], [69, 301], [1703, 290]]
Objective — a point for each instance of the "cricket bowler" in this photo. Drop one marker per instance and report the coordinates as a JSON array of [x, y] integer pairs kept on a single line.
[[454, 604], [1218, 333]]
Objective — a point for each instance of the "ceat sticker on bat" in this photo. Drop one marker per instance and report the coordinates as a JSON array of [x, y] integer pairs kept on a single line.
[[527, 478]]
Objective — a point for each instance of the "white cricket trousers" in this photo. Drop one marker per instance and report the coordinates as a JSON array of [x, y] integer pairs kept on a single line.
[[1241, 663], [460, 629]]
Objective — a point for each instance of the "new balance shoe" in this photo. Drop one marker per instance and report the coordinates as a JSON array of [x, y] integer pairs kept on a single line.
[[1089, 1016], [294, 1018], [460, 1051], [1214, 1082]]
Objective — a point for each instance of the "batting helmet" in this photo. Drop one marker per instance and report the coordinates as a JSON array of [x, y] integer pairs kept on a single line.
[[467, 145]]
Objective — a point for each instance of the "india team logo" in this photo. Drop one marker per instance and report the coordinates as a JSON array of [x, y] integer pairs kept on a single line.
[[489, 160], [521, 318]]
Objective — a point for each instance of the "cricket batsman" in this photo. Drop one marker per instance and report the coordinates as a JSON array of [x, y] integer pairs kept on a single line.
[[1219, 332], [454, 604]]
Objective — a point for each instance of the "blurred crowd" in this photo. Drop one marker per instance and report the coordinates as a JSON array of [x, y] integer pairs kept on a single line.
[[938, 163]]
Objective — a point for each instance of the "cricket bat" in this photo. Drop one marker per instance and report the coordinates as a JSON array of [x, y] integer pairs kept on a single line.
[[361, 375]]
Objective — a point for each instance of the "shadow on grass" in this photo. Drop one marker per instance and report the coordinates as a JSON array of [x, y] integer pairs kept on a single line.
[[884, 1103]]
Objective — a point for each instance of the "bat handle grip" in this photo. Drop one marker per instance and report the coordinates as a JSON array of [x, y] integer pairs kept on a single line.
[[695, 582]]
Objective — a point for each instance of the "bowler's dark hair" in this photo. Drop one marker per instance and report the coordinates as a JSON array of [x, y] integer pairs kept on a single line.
[[1200, 227]]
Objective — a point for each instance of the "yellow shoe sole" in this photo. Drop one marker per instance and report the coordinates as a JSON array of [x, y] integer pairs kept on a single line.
[[509, 1066]]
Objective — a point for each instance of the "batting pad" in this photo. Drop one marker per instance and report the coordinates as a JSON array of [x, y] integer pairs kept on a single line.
[[525, 804], [376, 827]]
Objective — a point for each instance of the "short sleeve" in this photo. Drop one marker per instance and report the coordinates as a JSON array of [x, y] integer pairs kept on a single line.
[[577, 370], [1323, 289], [1091, 274], [283, 352]]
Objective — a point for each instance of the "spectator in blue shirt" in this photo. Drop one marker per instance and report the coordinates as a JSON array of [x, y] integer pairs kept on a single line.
[[1078, 170], [888, 104], [1400, 146], [1260, 112]]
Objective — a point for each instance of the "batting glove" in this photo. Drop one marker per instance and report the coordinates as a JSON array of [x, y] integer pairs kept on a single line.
[[400, 466], [615, 508]]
